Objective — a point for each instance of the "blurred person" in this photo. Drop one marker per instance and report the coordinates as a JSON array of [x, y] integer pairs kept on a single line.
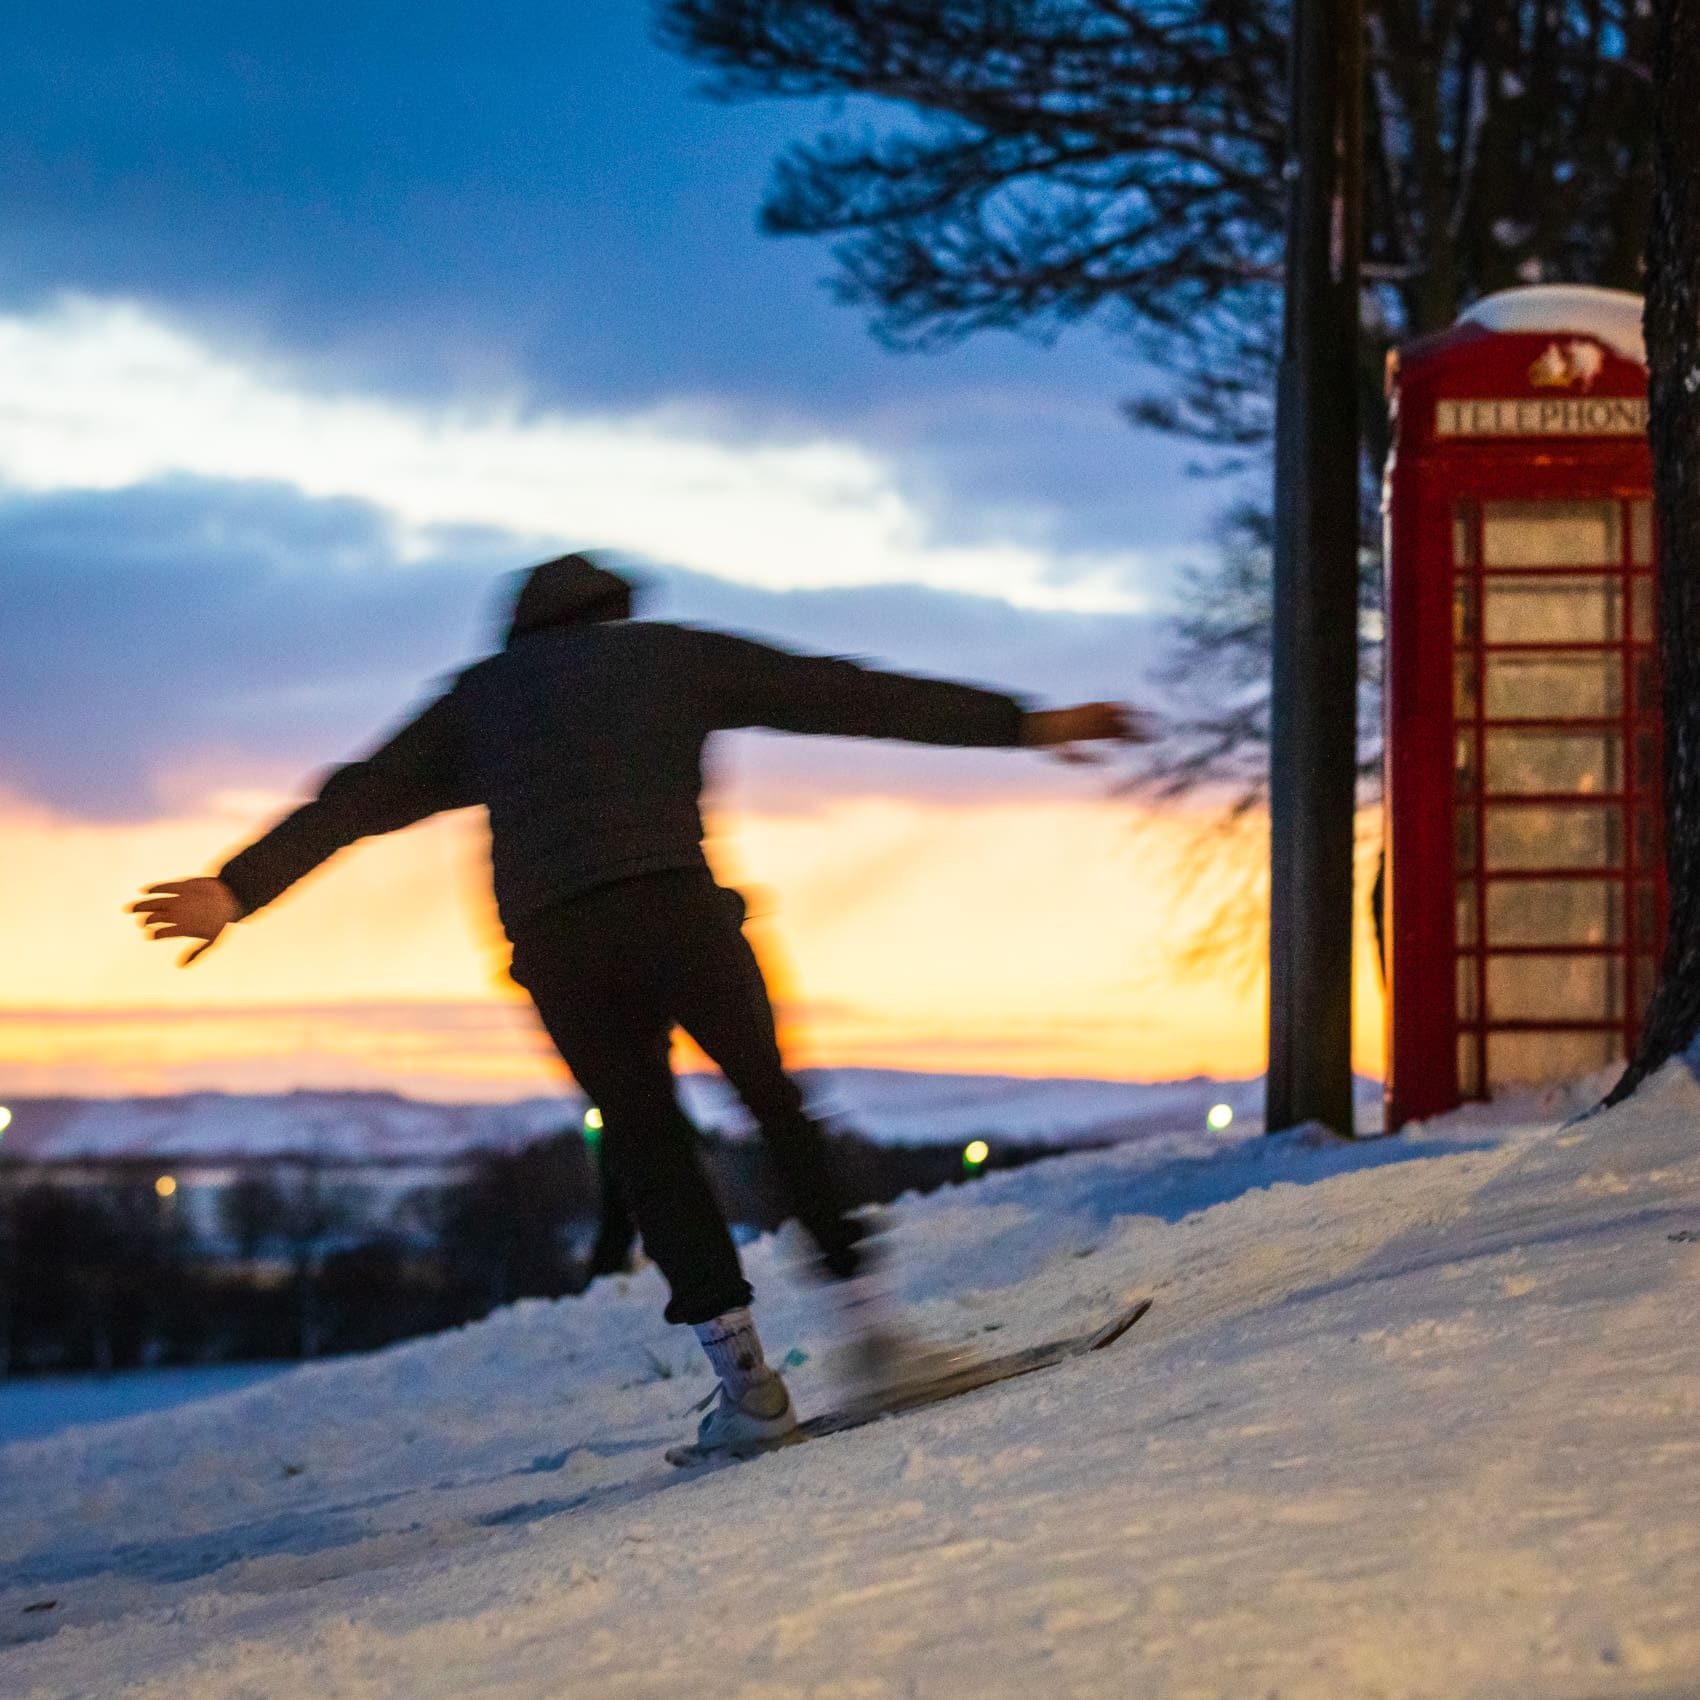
[[583, 737]]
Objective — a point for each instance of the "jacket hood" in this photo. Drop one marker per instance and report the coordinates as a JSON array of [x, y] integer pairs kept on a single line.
[[568, 591]]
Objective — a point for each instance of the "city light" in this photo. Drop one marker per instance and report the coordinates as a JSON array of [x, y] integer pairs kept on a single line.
[[5, 1118], [1220, 1117], [975, 1152], [165, 1186], [592, 1125]]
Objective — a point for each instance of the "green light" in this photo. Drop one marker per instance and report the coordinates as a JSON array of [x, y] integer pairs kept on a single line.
[[1220, 1118], [592, 1126], [975, 1152]]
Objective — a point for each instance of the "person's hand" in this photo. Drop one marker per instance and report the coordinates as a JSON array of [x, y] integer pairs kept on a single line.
[[1063, 730], [187, 909]]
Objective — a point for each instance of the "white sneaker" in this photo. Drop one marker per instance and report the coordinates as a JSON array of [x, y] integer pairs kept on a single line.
[[760, 1417]]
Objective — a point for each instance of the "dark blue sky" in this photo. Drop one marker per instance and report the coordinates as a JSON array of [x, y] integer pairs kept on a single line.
[[441, 202], [442, 196]]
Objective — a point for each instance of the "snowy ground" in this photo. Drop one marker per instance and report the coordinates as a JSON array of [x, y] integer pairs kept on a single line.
[[32, 1407], [1412, 1418]]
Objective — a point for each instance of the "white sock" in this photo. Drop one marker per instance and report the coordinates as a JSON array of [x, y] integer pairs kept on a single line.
[[734, 1350]]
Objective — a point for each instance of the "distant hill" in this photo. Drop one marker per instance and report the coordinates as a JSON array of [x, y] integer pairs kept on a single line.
[[885, 1104]]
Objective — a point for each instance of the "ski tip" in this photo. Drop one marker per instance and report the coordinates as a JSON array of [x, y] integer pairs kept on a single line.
[[1113, 1331]]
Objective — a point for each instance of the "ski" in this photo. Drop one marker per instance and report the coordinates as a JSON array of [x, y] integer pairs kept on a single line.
[[968, 1378]]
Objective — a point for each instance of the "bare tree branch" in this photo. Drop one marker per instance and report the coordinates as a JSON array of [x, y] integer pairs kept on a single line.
[[1044, 163]]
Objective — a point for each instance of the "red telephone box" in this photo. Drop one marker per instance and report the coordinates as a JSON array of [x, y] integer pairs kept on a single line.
[[1525, 879]]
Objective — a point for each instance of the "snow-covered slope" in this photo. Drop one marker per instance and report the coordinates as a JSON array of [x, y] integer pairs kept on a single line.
[[1419, 1417], [886, 1104]]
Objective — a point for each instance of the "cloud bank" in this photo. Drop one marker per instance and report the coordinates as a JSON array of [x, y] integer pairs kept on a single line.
[[215, 579], [102, 395], [185, 634]]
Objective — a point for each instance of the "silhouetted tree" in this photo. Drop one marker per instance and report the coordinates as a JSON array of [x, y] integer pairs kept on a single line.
[[1049, 162], [8, 1267], [506, 1228], [311, 1214], [1673, 369], [252, 1212], [99, 1276]]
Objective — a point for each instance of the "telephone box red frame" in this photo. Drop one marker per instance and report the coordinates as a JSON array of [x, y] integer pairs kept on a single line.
[[1486, 417]]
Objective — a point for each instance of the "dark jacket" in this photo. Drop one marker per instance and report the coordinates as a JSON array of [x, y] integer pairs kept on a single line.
[[583, 737]]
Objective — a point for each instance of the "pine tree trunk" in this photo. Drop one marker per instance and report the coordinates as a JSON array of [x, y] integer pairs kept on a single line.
[[1673, 360]]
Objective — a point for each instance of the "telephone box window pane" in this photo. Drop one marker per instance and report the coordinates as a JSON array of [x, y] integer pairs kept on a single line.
[[1580, 762], [1465, 923], [1464, 764], [1555, 912], [1463, 535], [1554, 610], [1554, 687], [1646, 685], [1469, 1071], [1646, 978], [1555, 988], [1553, 836], [1552, 534], [1641, 609], [1464, 839], [1464, 685], [1641, 533], [1466, 620], [1468, 1007], [1646, 839], [1527, 1059], [1646, 913], [1646, 761]]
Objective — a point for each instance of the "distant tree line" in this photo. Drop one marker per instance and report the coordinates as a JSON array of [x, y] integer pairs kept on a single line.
[[109, 1275]]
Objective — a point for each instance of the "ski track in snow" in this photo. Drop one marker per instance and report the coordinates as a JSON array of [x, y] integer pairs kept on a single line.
[[1414, 1418]]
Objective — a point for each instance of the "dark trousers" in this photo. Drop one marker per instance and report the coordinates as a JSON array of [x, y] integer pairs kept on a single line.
[[612, 973]]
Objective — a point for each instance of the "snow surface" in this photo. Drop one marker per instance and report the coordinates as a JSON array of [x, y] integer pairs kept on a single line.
[[1414, 1417], [38, 1405]]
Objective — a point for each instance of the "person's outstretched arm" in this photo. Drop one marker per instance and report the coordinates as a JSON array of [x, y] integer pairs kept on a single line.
[[757, 684], [1064, 730], [413, 774]]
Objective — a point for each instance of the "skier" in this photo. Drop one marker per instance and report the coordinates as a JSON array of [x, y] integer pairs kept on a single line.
[[583, 737]]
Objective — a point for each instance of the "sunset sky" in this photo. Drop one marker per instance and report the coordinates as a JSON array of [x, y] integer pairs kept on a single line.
[[317, 321]]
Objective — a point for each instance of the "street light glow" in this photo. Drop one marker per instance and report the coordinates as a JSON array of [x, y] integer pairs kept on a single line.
[[5, 1118], [165, 1186], [1220, 1118], [975, 1152]]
